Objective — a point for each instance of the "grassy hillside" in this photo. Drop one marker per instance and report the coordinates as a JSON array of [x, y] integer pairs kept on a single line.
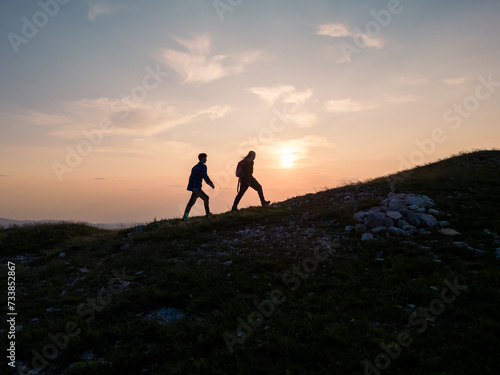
[[284, 289]]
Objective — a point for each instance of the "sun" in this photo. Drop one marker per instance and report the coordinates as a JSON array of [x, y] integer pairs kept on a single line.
[[287, 157]]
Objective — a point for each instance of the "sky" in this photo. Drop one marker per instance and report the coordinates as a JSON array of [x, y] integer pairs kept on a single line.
[[106, 104]]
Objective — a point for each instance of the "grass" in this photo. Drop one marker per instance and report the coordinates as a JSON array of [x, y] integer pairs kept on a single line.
[[295, 293]]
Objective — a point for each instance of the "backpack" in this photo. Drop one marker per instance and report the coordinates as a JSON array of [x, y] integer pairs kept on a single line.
[[240, 169]]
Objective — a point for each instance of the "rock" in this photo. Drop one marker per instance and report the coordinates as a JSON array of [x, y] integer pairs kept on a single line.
[[449, 232], [433, 211], [361, 228], [388, 222], [375, 219], [167, 315], [395, 230], [444, 223], [366, 237], [394, 215], [423, 231], [125, 247], [228, 263], [414, 219], [359, 215], [62, 255], [430, 220], [397, 205], [413, 199], [461, 244], [378, 229], [348, 228], [402, 223]]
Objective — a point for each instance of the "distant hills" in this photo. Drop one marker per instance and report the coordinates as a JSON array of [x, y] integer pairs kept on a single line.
[[9, 222]]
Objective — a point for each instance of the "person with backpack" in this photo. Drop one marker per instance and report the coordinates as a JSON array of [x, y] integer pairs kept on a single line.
[[198, 174], [244, 171]]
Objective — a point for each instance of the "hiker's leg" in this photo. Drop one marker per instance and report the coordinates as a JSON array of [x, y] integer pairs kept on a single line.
[[205, 198], [256, 186], [192, 200], [243, 188]]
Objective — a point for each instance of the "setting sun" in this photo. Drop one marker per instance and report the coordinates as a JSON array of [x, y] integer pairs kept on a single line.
[[287, 157]]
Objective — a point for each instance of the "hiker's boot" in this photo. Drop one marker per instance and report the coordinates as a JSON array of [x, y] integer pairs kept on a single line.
[[265, 203]]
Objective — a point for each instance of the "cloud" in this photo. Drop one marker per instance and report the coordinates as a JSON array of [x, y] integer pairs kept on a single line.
[[154, 119], [456, 81], [133, 117], [348, 105], [196, 65], [98, 8], [271, 94], [360, 39], [333, 30], [30, 117], [292, 102]]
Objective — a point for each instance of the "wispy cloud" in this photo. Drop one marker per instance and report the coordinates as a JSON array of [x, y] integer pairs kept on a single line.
[[336, 30], [197, 65], [293, 102], [348, 105], [271, 94], [456, 81], [98, 8], [134, 119], [333, 30], [30, 117]]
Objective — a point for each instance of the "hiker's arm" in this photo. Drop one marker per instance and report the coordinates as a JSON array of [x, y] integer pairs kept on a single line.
[[207, 179]]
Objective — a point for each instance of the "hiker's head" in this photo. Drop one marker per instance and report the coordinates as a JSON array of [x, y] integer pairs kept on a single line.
[[250, 156], [202, 157]]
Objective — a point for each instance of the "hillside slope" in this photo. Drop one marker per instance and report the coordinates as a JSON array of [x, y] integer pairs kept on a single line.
[[304, 286]]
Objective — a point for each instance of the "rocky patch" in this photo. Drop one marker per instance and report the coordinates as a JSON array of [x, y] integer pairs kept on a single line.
[[403, 214]]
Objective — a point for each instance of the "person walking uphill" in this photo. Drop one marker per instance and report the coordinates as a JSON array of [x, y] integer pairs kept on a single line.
[[245, 173], [198, 174]]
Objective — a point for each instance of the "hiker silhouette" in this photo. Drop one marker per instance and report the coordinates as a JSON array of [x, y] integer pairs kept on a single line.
[[198, 174], [245, 173]]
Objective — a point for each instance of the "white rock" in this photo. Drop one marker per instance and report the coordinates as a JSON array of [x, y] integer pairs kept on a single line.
[[449, 232], [366, 237], [394, 215], [430, 220]]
